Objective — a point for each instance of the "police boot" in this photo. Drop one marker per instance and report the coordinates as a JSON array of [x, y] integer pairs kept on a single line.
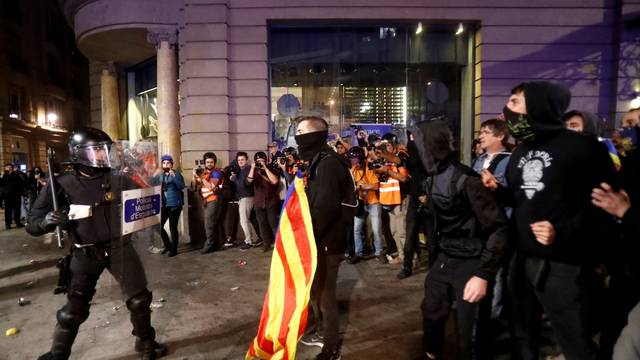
[[141, 320]]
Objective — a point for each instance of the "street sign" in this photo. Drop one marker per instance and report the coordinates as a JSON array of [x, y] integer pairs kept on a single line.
[[140, 209]]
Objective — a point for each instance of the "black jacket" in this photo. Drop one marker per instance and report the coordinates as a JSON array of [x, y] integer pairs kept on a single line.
[[551, 178], [328, 185], [12, 185], [103, 192]]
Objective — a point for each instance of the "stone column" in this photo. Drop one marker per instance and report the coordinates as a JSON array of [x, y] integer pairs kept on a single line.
[[167, 79], [109, 101]]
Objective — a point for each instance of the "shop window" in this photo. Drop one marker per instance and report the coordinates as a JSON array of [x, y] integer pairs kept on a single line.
[[17, 103], [375, 75], [53, 113]]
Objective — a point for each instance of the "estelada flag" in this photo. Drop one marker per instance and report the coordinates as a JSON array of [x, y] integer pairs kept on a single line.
[[284, 313]]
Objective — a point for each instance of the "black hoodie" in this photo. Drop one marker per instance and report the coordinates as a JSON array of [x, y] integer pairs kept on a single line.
[[551, 178]]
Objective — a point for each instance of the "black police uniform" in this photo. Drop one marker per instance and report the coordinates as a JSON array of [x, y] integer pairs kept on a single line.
[[96, 245]]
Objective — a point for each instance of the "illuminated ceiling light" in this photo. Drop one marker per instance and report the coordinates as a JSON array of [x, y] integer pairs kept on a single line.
[[460, 29], [295, 84], [428, 83], [419, 28], [331, 102], [52, 117], [366, 106], [635, 103], [13, 116]]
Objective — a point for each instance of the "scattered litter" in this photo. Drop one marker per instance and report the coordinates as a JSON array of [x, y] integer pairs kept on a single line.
[[25, 245], [11, 332], [389, 257], [33, 261], [162, 300], [116, 308], [235, 288], [29, 284], [157, 304], [22, 301], [242, 263], [196, 283]]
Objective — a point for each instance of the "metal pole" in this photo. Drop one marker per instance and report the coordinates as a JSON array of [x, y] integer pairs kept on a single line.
[[52, 185]]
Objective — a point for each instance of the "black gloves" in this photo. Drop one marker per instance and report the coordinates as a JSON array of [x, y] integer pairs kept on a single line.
[[53, 219]]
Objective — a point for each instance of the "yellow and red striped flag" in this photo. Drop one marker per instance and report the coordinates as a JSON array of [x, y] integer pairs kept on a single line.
[[293, 265]]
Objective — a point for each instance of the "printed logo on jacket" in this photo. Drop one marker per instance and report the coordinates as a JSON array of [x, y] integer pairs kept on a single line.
[[533, 165]]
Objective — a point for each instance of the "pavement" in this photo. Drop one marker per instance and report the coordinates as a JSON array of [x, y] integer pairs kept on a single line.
[[211, 305]]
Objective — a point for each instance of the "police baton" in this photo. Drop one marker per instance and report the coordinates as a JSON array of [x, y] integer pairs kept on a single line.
[[52, 185]]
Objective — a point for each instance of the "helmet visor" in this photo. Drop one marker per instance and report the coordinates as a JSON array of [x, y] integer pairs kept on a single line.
[[93, 155]]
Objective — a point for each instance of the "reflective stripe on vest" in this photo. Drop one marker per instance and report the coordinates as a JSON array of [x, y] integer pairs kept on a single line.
[[390, 190]]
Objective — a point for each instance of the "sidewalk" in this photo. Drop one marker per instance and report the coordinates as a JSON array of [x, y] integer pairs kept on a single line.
[[203, 316]]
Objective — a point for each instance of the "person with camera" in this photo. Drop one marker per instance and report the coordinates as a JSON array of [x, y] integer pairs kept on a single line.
[[394, 177], [208, 181], [367, 185], [245, 194], [172, 184], [266, 200]]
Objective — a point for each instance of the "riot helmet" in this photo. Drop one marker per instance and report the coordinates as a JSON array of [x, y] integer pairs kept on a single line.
[[90, 147]]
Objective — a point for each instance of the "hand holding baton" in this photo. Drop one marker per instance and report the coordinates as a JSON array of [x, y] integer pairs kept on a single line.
[[52, 185]]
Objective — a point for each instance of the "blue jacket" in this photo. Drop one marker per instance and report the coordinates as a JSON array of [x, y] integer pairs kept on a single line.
[[175, 185]]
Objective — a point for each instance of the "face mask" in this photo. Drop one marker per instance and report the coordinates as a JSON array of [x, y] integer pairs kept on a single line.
[[518, 125], [310, 144]]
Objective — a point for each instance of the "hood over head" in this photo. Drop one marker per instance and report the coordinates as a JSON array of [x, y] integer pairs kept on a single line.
[[546, 104], [433, 143]]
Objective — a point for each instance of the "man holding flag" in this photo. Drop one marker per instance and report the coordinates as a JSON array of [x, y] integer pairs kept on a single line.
[[329, 199]]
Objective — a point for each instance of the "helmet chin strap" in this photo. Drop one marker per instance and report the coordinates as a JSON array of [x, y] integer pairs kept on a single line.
[[90, 171]]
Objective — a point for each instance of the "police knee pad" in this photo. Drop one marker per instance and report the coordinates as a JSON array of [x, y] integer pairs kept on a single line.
[[140, 302], [71, 318]]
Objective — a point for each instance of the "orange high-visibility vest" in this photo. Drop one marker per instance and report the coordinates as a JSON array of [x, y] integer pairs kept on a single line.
[[207, 194], [390, 190]]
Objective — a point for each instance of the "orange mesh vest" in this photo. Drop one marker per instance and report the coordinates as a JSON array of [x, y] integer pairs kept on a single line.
[[390, 190]]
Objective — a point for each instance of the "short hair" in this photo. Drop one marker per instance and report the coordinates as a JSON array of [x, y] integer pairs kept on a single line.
[[571, 114], [317, 123], [498, 127], [517, 89], [242, 153], [8, 164], [210, 155], [259, 155]]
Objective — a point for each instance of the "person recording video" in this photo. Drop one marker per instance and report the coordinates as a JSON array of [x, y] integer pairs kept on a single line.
[[207, 180]]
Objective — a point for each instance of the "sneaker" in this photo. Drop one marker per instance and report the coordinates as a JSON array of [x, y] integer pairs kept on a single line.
[[395, 261], [404, 273], [228, 243], [257, 243], [328, 355], [154, 250], [245, 247], [382, 259], [354, 259], [312, 339]]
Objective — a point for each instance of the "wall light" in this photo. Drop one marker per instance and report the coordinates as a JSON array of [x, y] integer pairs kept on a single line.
[[419, 28], [331, 102], [635, 103], [13, 116], [52, 117], [460, 29]]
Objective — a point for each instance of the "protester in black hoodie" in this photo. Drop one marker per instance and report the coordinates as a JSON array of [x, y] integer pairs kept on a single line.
[[550, 176], [467, 236], [331, 193]]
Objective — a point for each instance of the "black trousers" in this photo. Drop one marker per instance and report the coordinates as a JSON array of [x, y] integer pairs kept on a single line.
[[558, 289], [231, 220], [173, 215], [87, 264], [415, 218], [12, 211], [445, 285], [324, 303], [268, 223]]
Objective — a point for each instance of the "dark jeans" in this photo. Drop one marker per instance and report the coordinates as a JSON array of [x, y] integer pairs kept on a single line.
[[214, 224], [268, 223], [414, 219], [621, 297], [324, 303], [173, 215], [231, 221], [445, 285], [558, 289], [12, 211]]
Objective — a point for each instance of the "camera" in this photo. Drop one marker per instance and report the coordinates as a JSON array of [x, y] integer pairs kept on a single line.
[[375, 164], [199, 167], [282, 161]]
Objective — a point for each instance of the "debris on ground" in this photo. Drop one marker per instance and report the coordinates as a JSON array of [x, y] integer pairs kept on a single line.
[[22, 301], [116, 308], [235, 288], [11, 332], [33, 261], [242, 263], [157, 304], [25, 245], [196, 283]]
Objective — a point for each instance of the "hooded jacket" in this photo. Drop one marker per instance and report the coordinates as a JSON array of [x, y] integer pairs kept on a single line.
[[465, 219], [551, 178]]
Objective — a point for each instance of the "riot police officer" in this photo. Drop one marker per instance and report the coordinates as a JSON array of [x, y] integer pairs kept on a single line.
[[90, 196]]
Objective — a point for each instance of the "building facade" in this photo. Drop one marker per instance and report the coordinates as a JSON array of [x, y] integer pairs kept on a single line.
[[230, 75], [44, 83]]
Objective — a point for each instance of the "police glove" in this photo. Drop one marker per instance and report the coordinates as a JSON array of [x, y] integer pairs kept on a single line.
[[53, 219]]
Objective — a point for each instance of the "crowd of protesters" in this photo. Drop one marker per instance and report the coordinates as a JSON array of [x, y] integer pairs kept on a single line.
[[544, 224]]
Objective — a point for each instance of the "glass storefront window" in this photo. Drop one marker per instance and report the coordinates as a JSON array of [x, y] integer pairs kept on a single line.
[[369, 73], [142, 108]]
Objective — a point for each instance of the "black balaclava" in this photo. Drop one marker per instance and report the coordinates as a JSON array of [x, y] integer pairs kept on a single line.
[[433, 143], [310, 144], [546, 103]]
